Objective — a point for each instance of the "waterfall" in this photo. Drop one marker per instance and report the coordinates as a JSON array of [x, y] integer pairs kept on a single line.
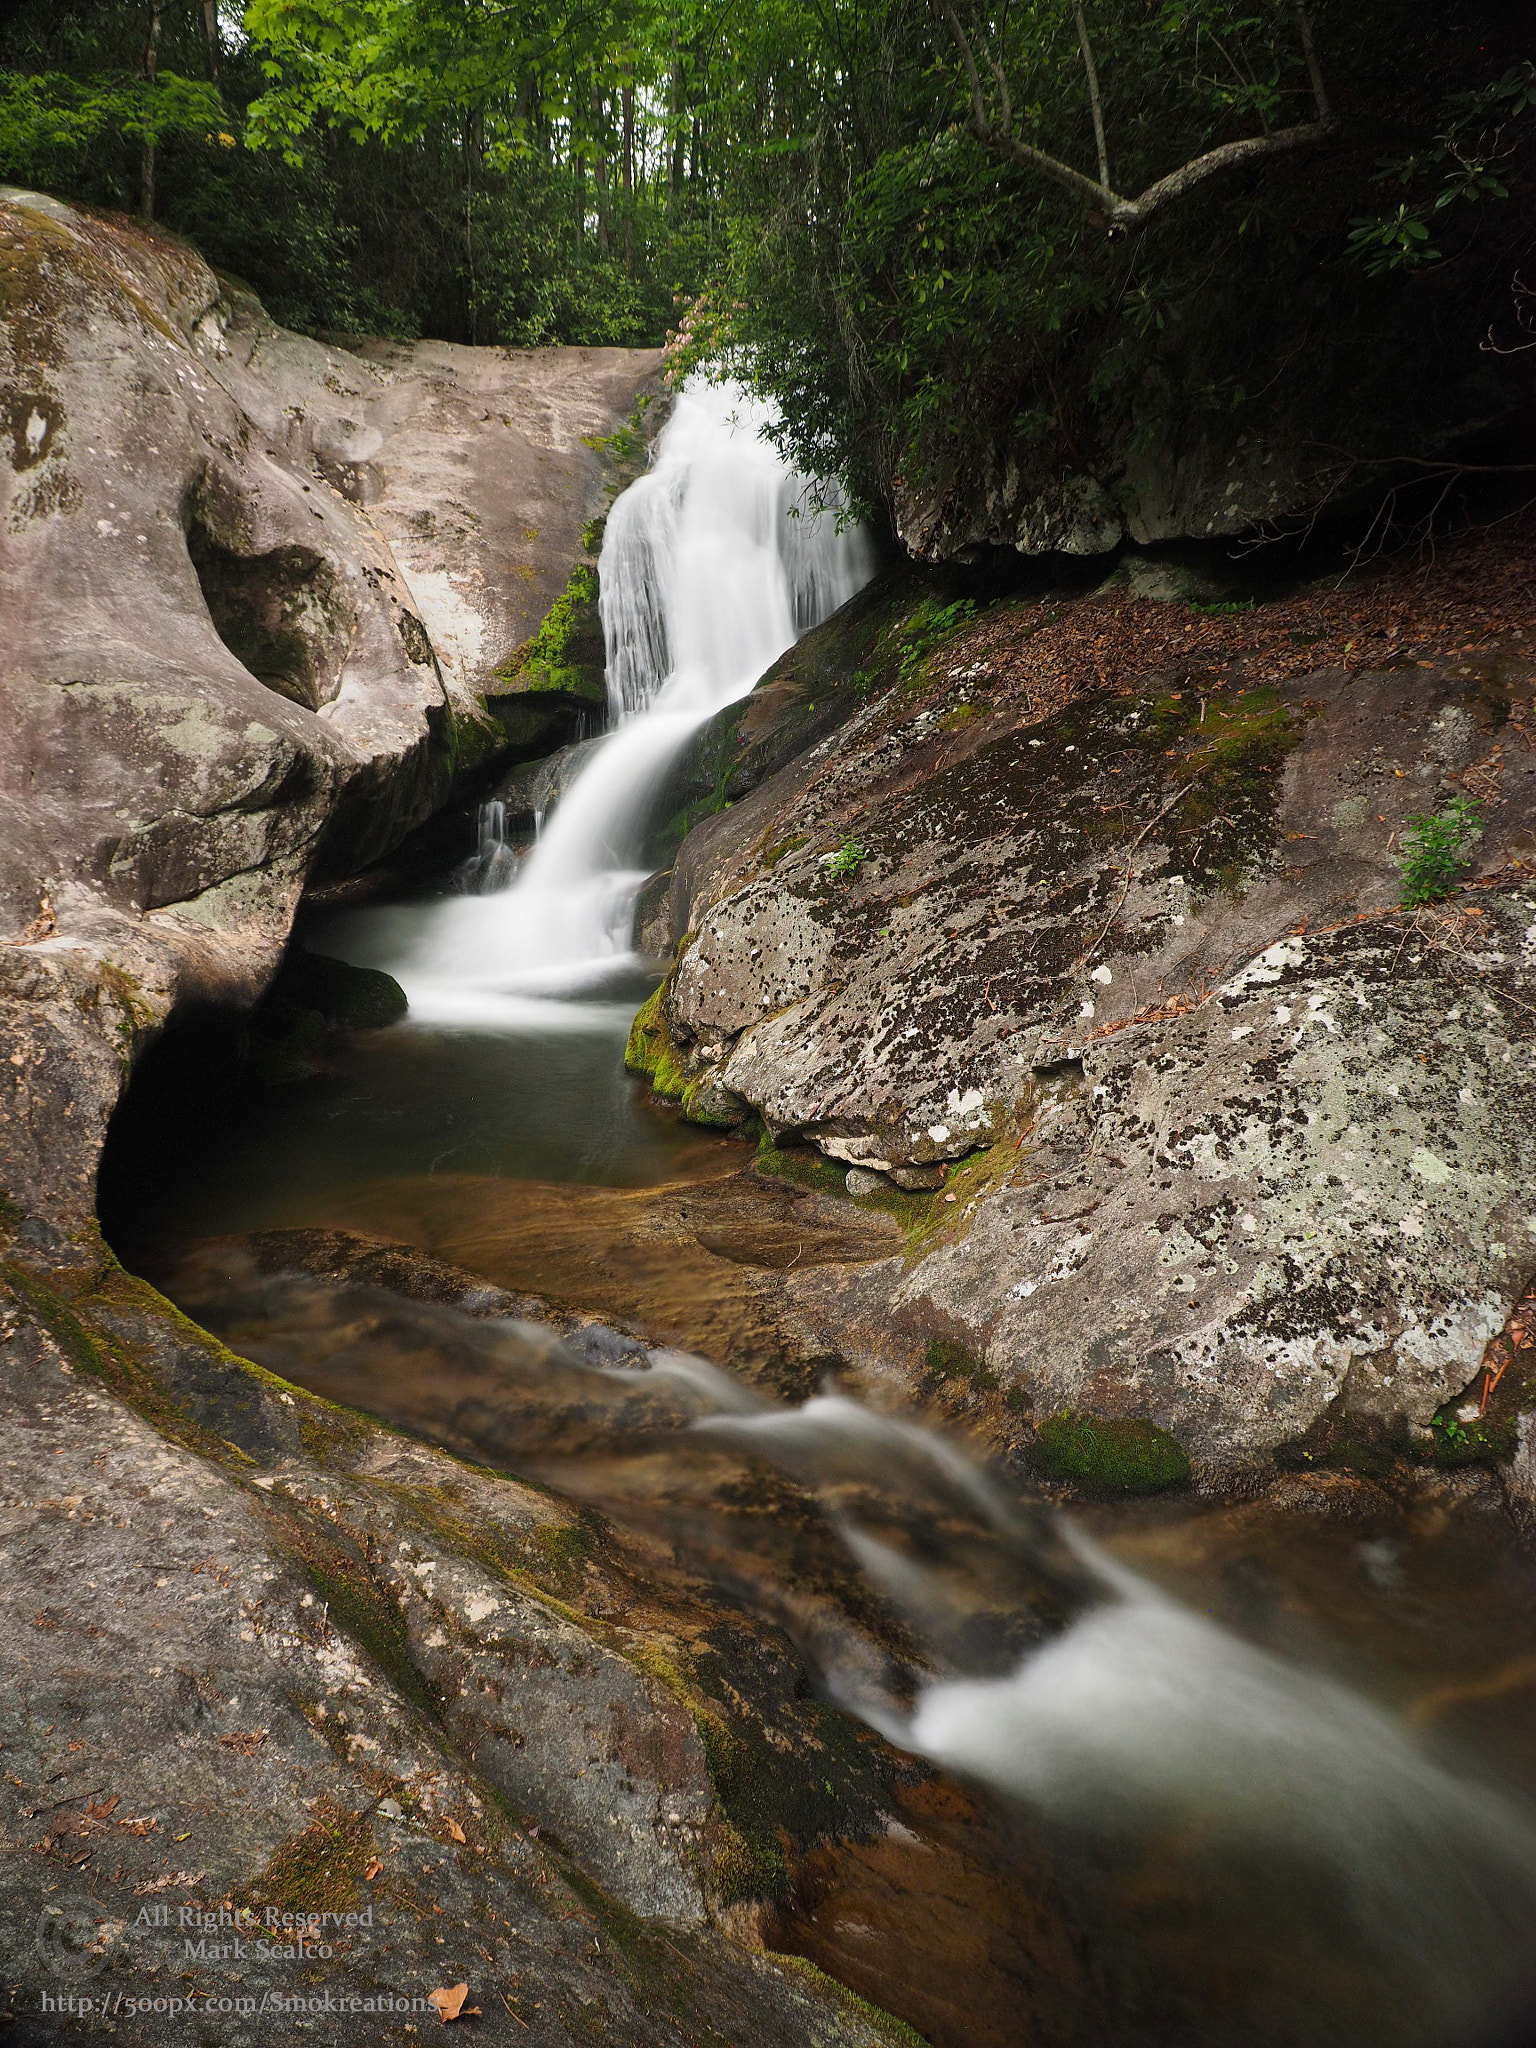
[[713, 563]]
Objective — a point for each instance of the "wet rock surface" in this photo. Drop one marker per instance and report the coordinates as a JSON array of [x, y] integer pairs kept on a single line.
[[314, 1666], [266, 1657], [1232, 1140], [256, 590]]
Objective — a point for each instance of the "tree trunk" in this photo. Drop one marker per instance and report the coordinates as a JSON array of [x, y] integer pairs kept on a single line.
[[629, 178], [675, 110], [211, 30], [600, 178], [147, 156]]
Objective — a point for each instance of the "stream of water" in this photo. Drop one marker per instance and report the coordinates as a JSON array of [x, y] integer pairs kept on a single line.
[[1267, 1812]]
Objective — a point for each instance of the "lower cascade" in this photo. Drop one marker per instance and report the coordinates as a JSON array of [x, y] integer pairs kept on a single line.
[[713, 563]]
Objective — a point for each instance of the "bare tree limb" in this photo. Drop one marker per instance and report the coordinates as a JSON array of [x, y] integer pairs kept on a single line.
[[1093, 91], [1279, 142], [1122, 211], [981, 119]]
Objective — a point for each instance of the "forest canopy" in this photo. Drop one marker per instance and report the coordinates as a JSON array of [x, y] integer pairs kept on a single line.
[[1046, 233]]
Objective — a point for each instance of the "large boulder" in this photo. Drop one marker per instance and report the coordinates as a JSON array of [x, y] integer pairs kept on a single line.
[[256, 590], [1099, 911]]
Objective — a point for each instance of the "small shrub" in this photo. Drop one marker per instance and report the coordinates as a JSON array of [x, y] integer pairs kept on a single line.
[[1108, 1454], [1434, 852], [845, 862]]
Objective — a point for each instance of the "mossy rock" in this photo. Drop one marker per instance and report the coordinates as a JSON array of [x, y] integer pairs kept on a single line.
[[650, 1050], [1109, 1454], [565, 656], [360, 998]]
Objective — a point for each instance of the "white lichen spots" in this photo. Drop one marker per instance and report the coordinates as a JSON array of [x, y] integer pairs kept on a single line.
[[1410, 1225], [938, 1133], [1249, 1222], [1268, 966], [1085, 1010], [1101, 974], [1451, 1345], [36, 429], [479, 1607], [1241, 1031], [1428, 1166], [1282, 1014]]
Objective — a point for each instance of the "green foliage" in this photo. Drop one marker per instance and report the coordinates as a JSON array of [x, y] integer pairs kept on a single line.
[[1434, 854], [843, 864], [1108, 1454], [923, 630], [542, 663], [1464, 165], [53, 126], [1483, 1442]]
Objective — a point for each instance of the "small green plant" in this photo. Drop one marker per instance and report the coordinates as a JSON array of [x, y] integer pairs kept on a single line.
[[846, 861], [1451, 1430], [1434, 850], [922, 631]]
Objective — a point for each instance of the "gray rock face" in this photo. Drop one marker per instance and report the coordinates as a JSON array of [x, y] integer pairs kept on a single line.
[[263, 1678], [1242, 1139], [254, 592], [1141, 494]]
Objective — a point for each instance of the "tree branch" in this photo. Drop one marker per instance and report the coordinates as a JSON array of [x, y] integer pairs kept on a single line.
[[1314, 69], [1122, 211], [1093, 92], [1280, 142], [981, 120]]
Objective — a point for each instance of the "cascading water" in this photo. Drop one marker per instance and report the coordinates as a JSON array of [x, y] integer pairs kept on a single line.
[[1384, 1895], [713, 562]]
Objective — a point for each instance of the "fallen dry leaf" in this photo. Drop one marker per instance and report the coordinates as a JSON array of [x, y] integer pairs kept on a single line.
[[106, 1807], [374, 1867], [43, 926], [456, 1831], [450, 2004], [247, 1744]]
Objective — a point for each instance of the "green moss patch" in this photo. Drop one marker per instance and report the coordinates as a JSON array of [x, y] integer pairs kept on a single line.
[[805, 1167], [550, 660], [319, 1871], [1108, 1454], [944, 1360], [650, 1050]]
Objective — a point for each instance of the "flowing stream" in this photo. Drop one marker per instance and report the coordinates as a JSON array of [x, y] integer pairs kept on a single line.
[[1241, 1779]]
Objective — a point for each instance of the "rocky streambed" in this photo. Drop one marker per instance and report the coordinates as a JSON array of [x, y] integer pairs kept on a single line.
[[1044, 1050]]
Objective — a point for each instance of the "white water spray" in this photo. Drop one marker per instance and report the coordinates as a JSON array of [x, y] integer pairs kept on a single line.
[[713, 563]]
